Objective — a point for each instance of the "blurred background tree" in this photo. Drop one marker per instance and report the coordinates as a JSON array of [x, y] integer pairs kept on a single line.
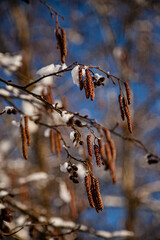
[[122, 37]]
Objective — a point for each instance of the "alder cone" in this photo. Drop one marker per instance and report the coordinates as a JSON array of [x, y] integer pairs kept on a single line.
[[89, 145]]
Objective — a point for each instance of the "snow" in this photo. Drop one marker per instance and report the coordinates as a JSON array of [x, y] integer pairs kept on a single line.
[[28, 108], [5, 146], [81, 170], [12, 89], [33, 127], [72, 135], [47, 80], [66, 116], [75, 75], [63, 167], [47, 132], [34, 177], [11, 62], [4, 92], [64, 66], [64, 193], [59, 222], [98, 76], [3, 193], [49, 69]]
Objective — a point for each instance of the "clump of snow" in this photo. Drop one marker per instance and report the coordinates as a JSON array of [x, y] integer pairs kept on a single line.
[[28, 108], [66, 116], [75, 75], [3, 193], [63, 167], [48, 69], [81, 170], [47, 132], [15, 123], [72, 135], [10, 62], [12, 89], [34, 177], [64, 193], [47, 80], [5, 146], [4, 92], [64, 66], [98, 76], [33, 127], [59, 222], [2, 206]]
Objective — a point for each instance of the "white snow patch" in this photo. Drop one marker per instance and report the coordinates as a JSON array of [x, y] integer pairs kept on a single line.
[[72, 135], [81, 170], [75, 75], [66, 116], [49, 69], [3, 193], [4, 92], [64, 193], [63, 167], [64, 66], [34, 177], [47, 132]]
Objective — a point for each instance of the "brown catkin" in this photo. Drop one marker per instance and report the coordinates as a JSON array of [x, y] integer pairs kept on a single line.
[[96, 153], [93, 91], [57, 146], [64, 42], [26, 118], [24, 141], [80, 78], [90, 84], [113, 149], [98, 194], [52, 141], [88, 190], [89, 161], [108, 152], [89, 145], [128, 92], [107, 133], [121, 107], [59, 39], [86, 89], [101, 150], [127, 113]]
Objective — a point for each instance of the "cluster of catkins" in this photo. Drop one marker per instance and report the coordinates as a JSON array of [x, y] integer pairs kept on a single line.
[[124, 108], [93, 192], [61, 43], [105, 154], [4, 217], [72, 169], [89, 83], [25, 135], [55, 142]]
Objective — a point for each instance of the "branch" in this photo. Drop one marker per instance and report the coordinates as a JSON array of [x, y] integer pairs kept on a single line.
[[57, 222]]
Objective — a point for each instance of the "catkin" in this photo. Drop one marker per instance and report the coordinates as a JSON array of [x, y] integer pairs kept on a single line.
[[58, 37], [24, 141], [89, 145], [64, 42], [108, 152], [57, 145], [88, 190], [80, 78], [96, 153], [52, 141], [121, 107], [86, 89], [101, 150], [127, 113], [98, 194], [90, 84], [128, 92], [26, 118], [107, 133], [113, 149]]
